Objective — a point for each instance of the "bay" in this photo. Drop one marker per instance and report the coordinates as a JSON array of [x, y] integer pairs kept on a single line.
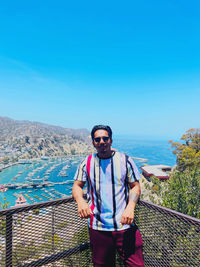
[[154, 151]]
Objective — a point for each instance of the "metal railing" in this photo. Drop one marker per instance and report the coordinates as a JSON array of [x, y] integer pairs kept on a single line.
[[51, 233], [170, 238]]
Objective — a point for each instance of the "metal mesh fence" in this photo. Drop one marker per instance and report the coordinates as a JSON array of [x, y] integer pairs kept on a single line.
[[51, 234], [170, 238], [48, 233]]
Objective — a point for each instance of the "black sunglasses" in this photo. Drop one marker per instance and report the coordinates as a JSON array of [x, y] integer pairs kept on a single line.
[[98, 139]]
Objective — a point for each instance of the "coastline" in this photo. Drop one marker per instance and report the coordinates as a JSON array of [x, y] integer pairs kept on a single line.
[[155, 154], [2, 166], [41, 180], [8, 165]]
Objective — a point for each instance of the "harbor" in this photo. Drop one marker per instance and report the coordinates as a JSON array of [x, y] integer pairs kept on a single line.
[[38, 180]]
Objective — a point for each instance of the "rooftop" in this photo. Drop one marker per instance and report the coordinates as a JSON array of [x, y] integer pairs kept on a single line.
[[160, 171]]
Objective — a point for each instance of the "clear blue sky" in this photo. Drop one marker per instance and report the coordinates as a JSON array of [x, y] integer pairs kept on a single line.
[[134, 65]]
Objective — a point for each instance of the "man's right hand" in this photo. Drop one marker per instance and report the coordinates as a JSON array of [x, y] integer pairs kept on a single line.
[[84, 210]]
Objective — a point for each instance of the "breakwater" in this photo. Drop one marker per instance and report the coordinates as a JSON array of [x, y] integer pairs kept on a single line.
[[34, 185]]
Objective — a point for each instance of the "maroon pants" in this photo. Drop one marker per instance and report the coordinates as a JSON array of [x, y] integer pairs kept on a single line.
[[128, 243]]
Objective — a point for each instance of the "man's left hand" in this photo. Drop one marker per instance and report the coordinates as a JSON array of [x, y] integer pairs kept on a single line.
[[128, 215]]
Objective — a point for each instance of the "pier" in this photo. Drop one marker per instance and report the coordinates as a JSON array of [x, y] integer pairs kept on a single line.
[[33, 185], [140, 159]]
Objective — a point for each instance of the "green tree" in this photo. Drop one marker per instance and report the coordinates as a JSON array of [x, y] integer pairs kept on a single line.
[[188, 151], [182, 191], [3, 205]]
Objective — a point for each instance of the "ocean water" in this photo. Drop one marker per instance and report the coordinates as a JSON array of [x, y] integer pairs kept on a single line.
[[155, 151], [21, 173]]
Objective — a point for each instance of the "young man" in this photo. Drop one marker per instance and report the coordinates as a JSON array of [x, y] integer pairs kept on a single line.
[[113, 190]]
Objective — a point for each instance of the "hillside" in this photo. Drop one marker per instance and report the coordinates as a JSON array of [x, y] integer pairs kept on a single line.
[[13, 128], [25, 139]]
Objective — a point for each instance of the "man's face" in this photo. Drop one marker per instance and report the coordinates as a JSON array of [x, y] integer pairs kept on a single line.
[[102, 142]]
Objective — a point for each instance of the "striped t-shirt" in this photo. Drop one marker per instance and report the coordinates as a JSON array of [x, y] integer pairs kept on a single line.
[[107, 188]]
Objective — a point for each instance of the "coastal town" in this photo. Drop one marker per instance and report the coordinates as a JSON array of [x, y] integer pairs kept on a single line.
[[22, 140], [10, 153], [32, 154], [48, 156]]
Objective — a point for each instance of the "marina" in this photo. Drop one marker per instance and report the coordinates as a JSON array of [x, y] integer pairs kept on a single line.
[[38, 175], [39, 180]]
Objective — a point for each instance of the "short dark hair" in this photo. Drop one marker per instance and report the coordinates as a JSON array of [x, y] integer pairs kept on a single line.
[[101, 127]]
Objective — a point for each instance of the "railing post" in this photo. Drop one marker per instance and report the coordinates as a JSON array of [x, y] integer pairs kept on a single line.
[[9, 220], [53, 228]]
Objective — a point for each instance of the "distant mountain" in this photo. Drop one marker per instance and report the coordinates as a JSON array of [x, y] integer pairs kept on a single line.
[[25, 139], [14, 128]]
